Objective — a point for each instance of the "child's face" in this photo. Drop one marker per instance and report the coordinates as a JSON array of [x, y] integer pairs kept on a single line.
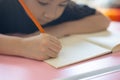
[[46, 10]]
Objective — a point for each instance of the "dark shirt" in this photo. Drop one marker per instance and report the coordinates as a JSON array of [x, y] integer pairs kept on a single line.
[[13, 18]]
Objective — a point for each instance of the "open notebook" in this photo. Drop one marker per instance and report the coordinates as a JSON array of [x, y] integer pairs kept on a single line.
[[77, 48]]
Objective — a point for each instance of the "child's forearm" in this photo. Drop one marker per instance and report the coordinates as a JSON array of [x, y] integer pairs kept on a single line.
[[39, 47], [10, 45], [89, 24], [93, 23]]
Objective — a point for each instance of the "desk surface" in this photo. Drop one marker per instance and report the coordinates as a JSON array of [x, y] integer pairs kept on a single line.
[[16, 68]]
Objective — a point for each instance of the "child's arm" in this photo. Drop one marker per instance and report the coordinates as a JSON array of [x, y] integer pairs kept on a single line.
[[39, 47], [10, 45], [89, 24]]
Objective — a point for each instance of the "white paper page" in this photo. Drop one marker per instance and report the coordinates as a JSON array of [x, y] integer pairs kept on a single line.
[[108, 40], [75, 50]]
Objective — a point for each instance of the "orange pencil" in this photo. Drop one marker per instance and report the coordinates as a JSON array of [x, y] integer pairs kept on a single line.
[[35, 21]]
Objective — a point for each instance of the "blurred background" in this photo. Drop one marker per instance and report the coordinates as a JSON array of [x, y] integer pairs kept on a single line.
[[110, 8]]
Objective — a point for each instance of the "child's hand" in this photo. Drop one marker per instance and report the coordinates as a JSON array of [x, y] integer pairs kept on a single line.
[[41, 47]]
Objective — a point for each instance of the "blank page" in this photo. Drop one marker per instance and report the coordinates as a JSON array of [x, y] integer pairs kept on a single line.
[[74, 50], [109, 41]]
